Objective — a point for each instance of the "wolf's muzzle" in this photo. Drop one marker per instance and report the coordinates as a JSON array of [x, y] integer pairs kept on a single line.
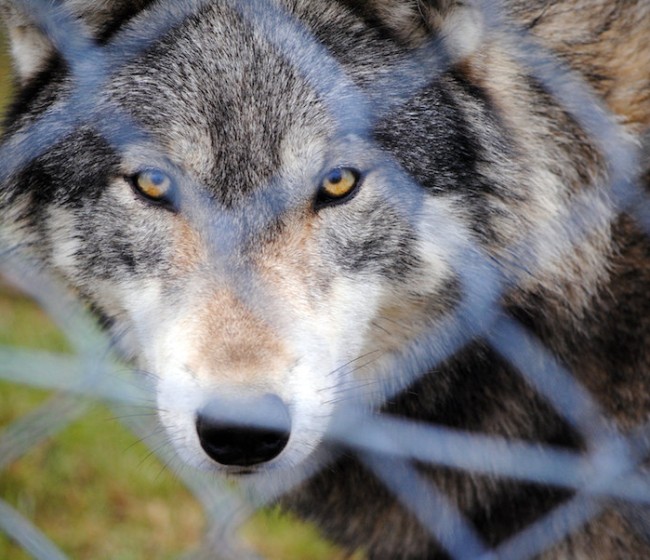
[[245, 431]]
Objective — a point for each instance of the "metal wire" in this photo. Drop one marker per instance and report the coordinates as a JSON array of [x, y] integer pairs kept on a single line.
[[387, 446]]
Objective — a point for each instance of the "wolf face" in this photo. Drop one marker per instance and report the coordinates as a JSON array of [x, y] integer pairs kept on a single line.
[[253, 277], [278, 251], [272, 206]]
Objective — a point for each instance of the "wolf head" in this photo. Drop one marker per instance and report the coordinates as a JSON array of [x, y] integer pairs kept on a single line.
[[268, 202]]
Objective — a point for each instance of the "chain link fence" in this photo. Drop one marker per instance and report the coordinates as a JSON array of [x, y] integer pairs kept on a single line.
[[610, 469]]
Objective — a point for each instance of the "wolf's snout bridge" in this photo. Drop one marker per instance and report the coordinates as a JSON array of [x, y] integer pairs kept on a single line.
[[244, 432]]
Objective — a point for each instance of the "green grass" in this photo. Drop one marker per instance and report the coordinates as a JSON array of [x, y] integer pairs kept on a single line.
[[94, 489], [97, 491]]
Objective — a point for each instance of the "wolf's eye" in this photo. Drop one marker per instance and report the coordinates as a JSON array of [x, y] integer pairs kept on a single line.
[[154, 185], [338, 185]]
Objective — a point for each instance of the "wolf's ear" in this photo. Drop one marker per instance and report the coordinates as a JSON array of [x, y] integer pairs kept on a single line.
[[30, 46], [412, 22]]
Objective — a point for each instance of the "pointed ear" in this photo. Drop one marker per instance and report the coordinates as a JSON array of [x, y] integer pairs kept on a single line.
[[31, 48], [412, 22]]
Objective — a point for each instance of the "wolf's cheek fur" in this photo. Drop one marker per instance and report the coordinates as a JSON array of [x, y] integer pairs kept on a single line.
[[483, 198], [299, 332], [222, 346], [290, 335]]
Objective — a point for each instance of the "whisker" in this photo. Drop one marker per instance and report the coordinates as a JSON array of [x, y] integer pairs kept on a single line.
[[361, 357]]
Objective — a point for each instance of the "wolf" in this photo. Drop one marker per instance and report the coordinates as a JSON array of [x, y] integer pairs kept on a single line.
[[300, 216]]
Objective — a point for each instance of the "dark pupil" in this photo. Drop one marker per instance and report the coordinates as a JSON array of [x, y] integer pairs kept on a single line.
[[156, 177], [335, 176]]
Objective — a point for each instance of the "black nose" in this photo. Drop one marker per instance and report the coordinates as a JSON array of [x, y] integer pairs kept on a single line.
[[244, 432]]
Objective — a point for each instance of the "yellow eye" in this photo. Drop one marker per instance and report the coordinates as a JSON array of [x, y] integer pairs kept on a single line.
[[154, 184], [338, 184]]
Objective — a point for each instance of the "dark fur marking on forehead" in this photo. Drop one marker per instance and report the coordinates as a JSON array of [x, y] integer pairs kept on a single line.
[[439, 152], [345, 47], [242, 115], [50, 179], [363, 10], [120, 17]]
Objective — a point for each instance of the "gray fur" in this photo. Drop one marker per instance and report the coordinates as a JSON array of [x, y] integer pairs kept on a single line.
[[467, 160]]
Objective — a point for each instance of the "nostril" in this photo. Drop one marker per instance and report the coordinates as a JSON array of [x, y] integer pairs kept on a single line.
[[244, 432], [240, 446]]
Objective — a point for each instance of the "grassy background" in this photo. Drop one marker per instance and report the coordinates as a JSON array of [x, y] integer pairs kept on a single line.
[[97, 491]]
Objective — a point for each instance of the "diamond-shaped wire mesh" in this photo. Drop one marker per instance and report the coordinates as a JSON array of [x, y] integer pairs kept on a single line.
[[391, 448]]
